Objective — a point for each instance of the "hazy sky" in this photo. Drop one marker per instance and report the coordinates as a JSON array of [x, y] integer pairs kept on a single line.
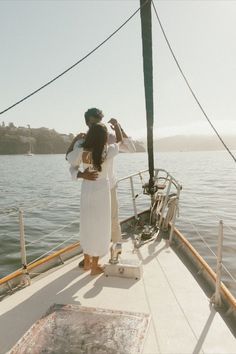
[[39, 39]]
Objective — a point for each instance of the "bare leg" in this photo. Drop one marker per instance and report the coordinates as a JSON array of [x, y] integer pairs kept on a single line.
[[115, 224], [87, 262], [96, 268]]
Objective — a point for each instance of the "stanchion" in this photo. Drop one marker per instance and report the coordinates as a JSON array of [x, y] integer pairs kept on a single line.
[[26, 277], [216, 299]]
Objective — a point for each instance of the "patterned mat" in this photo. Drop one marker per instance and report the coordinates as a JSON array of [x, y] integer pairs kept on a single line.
[[85, 330]]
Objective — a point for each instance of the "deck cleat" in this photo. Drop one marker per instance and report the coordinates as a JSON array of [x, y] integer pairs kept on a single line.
[[128, 268], [115, 250]]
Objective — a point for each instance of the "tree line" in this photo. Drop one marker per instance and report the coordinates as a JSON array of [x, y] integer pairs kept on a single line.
[[21, 140]]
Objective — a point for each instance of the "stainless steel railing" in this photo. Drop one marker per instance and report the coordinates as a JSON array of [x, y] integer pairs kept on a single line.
[[169, 181]]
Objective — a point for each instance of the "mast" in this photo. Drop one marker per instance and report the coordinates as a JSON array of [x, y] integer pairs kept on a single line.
[[146, 26]]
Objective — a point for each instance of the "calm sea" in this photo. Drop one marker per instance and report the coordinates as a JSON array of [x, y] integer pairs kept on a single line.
[[41, 185]]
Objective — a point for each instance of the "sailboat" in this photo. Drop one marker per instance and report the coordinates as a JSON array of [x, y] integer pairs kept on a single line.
[[29, 153], [157, 294]]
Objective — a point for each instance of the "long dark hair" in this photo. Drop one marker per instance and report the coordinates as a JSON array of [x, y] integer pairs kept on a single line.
[[95, 141]]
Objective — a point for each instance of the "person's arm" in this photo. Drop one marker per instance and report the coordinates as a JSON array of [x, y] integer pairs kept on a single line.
[[71, 147], [122, 130], [126, 144], [116, 127], [89, 175], [123, 133], [86, 174]]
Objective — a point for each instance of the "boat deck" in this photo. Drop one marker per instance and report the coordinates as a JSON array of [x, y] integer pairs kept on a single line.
[[181, 318]]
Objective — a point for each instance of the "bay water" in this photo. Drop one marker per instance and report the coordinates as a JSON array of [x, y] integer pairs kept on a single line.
[[42, 187]]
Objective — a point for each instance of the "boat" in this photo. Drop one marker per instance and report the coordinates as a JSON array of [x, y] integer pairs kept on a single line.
[[157, 294], [30, 153]]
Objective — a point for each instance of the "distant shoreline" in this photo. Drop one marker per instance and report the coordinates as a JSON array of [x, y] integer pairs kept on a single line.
[[184, 143], [43, 141], [137, 152]]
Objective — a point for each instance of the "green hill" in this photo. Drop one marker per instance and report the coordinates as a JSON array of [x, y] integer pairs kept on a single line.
[[19, 140]]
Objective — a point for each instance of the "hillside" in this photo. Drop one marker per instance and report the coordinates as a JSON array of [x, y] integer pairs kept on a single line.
[[19, 140], [139, 146], [193, 143]]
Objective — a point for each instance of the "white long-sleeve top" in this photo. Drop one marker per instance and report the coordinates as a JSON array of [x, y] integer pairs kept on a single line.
[[74, 157]]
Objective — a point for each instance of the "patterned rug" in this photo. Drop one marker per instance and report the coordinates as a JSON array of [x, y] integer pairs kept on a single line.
[[76, 329]]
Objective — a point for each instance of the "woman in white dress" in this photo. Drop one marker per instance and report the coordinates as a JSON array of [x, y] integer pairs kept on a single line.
[[95, 206]]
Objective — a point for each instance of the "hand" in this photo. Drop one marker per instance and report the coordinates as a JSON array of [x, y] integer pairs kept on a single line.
[[113, 123], [76, 138], [80, 136], [89, 175]]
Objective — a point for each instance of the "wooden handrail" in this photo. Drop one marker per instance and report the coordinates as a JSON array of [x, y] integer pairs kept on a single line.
[[212, 274], [39, 262]]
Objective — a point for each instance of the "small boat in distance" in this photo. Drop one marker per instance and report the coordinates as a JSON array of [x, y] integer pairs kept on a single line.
[[29, 153]]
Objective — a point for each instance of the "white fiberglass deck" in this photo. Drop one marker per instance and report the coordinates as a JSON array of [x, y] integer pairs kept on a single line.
[[182, 321]]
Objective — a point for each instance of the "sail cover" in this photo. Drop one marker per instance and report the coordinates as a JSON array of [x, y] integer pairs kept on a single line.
[[146, 25]]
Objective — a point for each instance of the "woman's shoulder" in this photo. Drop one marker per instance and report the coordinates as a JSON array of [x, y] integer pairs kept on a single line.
[[74, 157]]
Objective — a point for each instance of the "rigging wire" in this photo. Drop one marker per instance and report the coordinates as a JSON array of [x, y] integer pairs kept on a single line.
[[207, 245], [188, 84], [76, 63], [54, 248], [52, 233]]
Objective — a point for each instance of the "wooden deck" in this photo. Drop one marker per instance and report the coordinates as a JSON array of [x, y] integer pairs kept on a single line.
[[181, 318]]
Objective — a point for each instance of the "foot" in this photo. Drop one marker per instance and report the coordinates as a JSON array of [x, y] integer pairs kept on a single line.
[[97, 270], [87, 265], [87, 262], [81, 264]]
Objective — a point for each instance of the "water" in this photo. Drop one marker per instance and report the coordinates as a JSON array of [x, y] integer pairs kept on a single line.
[[41, 185]]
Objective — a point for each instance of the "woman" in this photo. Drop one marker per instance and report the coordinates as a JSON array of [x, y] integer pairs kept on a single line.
[[95, 210]]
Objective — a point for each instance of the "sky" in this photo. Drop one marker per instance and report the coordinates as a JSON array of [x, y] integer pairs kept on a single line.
[[40, 39]]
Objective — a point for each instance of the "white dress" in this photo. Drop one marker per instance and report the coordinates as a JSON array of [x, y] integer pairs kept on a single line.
[[95, 209]]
